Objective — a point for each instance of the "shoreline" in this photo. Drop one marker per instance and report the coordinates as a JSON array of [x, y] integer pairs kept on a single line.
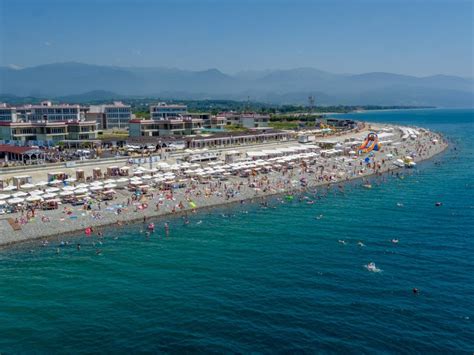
[[152, 215]]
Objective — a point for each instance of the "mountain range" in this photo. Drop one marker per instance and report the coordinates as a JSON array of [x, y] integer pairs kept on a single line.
[[291, 86]]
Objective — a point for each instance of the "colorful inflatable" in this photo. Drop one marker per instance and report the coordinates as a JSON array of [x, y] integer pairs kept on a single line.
[[370, 143]]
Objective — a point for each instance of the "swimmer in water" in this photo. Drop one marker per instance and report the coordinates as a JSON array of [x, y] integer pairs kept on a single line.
[[78, 246], [371, 267], [167, 228], [361, 244], [98, 252], [319, 217], [394, 241], [198, 222], [343, 242]]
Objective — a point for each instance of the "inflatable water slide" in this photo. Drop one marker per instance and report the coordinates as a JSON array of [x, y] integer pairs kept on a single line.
[[370, 143]]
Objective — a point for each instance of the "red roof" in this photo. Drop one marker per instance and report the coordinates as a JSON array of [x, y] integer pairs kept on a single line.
[[5, 148]]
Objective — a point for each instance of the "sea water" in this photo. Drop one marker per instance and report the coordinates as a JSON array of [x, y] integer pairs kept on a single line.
[[288, 278]]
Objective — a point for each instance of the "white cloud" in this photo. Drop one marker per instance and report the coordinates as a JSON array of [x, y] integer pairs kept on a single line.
[[48, 43]]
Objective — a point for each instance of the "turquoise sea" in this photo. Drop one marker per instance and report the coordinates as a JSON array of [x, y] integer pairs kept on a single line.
[[246, 279]]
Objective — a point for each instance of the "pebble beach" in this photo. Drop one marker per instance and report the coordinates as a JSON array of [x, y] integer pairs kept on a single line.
[[159, 204]]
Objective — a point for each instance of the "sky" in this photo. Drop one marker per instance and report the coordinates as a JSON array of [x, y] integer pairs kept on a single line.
[[414, 37]]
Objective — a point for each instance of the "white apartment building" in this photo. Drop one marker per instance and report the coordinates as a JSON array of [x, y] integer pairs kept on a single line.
[[163, 111], [7, 114], [49, 112], [109, 116]]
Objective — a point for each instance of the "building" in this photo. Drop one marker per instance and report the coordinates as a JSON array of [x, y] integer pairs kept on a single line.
[[247, 120], [44, 112], [24, 154], [97, 117], [45, 133], [111, 116], [7, 114], [82, 130], [254, 120], [163, 111], [240, 138], [215, 122], [341, 123], [49, 112], [215, 140], [165, 127]]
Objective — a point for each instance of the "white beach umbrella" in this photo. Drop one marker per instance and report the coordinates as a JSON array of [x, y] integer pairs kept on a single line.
[[36, 192], [66, 193], [80, 191], [82, 186], [3, 202], [4, 196], [27, 186], [9, 188], [20, 194], [96, 188], [65, 188], [49, 196], [122, 180], [52, 189], [15, 201], [109, 181], [70, 179], [41, 183], [110, 186], [109, 192], [34, 198], [146, 177]]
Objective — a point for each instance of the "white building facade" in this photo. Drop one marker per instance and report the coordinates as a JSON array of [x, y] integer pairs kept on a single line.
[[163, 111]]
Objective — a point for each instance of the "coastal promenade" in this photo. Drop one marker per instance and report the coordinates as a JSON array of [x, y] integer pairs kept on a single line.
[[214, 192]]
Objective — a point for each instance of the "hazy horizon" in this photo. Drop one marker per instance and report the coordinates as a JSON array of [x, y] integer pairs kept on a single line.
[[231, 73], [418, 38]]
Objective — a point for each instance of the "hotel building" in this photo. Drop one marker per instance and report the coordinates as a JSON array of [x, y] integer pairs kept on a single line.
[[111, 116], [7, 114], [163, 111], [47, 112], [52, 132], [45, 123]]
